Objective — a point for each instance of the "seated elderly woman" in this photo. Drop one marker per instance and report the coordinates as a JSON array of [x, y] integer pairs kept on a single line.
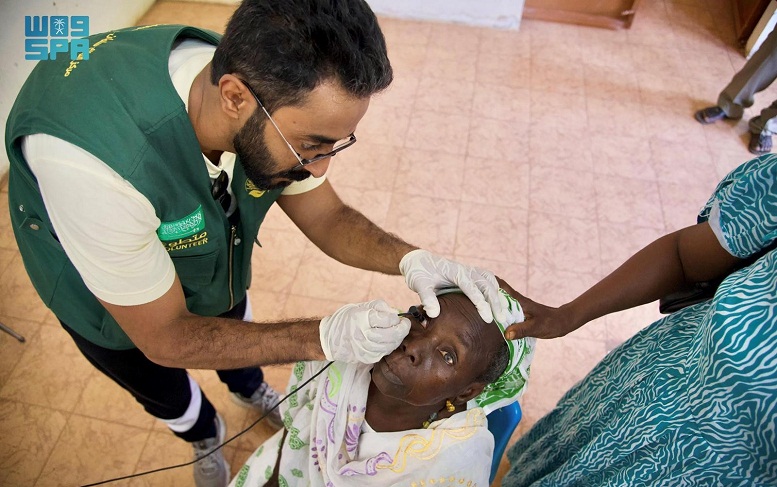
[[417, 417]]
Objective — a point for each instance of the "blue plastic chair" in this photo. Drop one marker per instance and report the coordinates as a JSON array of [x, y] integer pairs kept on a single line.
[[501, 424]]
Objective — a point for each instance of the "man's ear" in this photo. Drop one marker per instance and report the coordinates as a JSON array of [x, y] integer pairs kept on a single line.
[[235, 98], [470, 392]]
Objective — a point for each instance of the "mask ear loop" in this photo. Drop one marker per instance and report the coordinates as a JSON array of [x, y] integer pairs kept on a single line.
[[214, 450]]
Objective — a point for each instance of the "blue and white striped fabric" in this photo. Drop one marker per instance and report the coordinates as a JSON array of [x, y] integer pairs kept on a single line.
[[691, 399]]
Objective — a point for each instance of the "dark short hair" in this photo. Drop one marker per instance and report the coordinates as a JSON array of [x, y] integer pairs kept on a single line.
[[285, 48], [497, 363]]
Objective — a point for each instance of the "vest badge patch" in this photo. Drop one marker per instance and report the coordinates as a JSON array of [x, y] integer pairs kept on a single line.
[[189, 225], [253, 190]]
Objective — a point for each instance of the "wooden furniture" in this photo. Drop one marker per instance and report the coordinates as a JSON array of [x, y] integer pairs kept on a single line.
[[747, 13], [610, 14]]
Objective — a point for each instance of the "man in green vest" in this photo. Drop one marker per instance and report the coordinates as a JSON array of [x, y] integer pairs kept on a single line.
[[139, 179]]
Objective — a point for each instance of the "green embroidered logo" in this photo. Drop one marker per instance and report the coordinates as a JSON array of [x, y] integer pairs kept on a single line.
[[188, 225]]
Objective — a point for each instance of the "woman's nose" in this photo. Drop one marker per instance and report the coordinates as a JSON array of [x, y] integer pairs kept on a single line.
[[413, 348]]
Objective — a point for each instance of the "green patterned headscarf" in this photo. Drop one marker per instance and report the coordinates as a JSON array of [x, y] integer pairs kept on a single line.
[[510, 386]]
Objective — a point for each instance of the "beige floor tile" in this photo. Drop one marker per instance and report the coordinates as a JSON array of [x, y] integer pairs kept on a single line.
[[557, 76], [554, 287], [439, 132], [497, 182], [622, 200], [12, 349], [386, 125], [493, 232], [365, 165], [124, 409], [564, 243], [18, 297], [625, 156], [7, 240], [406, 32], [205, 15], [446, 63], [372, 203], [80, 454], [442, 97], [495, 68], [29, 434], [498, 139], [51, 372], [275, 264], [501, 102], [426, 173], [618, 242], [300, 307], [162, 449], [429, 223], [393, 290], [320, 276], [562, 192], [267, 306], [681, 203]]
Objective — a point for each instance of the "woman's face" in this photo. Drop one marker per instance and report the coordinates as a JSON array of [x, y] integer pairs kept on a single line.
[[442, 360]]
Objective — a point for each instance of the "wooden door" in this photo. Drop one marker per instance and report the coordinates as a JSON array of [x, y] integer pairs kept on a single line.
[[611, 14], [747, 13]]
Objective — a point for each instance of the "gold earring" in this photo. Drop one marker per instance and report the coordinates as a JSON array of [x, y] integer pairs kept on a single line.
[[449, 406]]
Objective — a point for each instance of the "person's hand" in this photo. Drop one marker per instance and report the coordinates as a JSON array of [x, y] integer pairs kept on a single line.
[[426, 273], [540, 321], [363, 333]]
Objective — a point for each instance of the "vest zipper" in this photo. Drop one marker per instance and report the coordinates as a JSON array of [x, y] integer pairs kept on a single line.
[[232, 233]]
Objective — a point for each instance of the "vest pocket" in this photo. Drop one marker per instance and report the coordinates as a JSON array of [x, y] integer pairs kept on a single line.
[[44, 257], [195, 271]]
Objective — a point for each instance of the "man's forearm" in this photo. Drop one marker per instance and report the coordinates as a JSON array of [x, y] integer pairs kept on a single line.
[[351, 238], [198, 342]]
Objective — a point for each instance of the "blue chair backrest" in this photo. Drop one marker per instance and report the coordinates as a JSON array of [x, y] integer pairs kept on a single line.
[[501, 424]]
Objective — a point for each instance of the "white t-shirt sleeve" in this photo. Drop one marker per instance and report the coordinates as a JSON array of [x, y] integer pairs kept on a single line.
[[106, 227], [299, 187]]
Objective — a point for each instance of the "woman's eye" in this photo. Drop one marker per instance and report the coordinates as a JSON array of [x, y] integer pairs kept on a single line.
[[448, 358]]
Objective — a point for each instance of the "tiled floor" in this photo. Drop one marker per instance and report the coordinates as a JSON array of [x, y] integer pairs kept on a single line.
[[547, 155]]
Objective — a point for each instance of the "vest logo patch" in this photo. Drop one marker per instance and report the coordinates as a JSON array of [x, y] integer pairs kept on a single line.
[[253, 190], [187, 243], [185, 227]]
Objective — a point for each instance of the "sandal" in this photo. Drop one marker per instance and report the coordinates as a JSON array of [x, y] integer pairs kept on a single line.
[[710, 115], [760, 144]]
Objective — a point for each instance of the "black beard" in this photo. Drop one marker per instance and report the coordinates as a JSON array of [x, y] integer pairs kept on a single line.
[[257, 161]]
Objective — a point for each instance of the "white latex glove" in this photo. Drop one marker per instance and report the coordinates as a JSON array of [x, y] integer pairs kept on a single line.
[[425, 273], [362, 333]]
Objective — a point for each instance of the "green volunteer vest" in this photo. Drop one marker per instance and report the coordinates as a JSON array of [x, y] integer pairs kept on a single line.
[[120, 105]]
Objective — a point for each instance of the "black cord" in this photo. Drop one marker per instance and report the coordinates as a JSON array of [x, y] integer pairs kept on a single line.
[[221, 445]]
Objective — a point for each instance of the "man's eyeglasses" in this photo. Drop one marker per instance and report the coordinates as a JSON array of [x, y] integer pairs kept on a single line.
[[338, 146]]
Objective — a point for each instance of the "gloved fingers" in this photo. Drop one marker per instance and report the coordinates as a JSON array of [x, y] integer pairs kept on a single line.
[[489, 287], [430, 302], [381, 315], [465, 282]]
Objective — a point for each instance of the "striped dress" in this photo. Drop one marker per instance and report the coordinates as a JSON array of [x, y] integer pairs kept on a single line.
[[691, 400]]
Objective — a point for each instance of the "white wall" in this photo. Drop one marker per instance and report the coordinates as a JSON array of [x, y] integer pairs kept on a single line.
[[504, 14], [762, 29], [103, 16]]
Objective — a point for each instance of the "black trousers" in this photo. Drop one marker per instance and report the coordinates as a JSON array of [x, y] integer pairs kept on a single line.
[[164, 392]]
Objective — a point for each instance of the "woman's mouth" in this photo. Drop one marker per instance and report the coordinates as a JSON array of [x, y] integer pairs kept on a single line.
[[390, 376]]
